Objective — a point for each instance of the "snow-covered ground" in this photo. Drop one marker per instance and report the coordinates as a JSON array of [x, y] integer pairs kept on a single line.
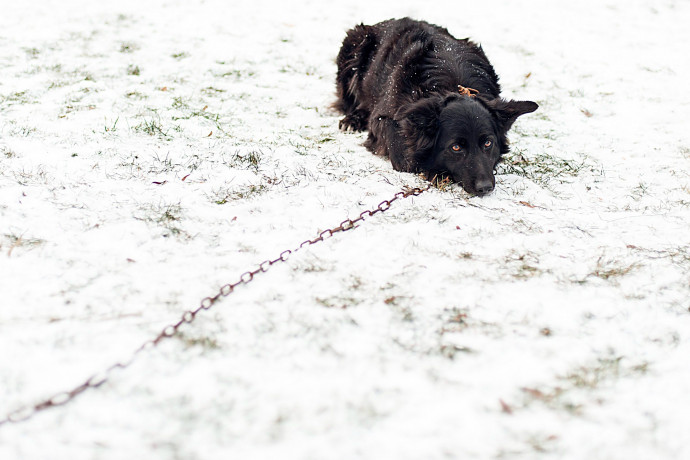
[[152, 151]]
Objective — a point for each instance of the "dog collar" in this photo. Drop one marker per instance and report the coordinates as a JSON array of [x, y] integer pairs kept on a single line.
[[469, 92]]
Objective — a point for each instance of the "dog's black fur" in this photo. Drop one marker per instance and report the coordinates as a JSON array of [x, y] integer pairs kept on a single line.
[[400, 80]]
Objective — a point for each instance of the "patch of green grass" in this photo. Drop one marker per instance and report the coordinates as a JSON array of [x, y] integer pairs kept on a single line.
[[355, 283], [162, 164], [135, 95], [236, 74], [308, 70], [21, 240], [128, 47], [179, 56], [17, 97], [180, 104], [640, 191], [7, 152], [33, 53], [522, 266], [555, 398], [203, 342], [228, 195], [132, 162], [679, 255], [609, 269], [450, 351], [152, 127], [167, 216], [301, 146], [338, 302], [133, 70], [401, 306], [310, 267], [111, 127], [14, 241], [605, 369], [525, 226], [592, 376], [568, 395], [24, 131], [442, 182], [211, 91], [170, 213], [65, 77], [244, 160], [58, 84], [542, 443], [542, 169], [455, 320]]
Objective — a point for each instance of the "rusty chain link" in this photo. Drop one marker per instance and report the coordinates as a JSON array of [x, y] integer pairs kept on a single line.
[[99, 379]]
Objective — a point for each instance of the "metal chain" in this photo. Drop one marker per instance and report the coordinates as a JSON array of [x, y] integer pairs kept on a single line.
[[99, 379]]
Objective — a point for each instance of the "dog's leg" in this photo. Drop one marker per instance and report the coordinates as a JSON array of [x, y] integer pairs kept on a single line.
[[385, 140], [356, 120], [397, 148]]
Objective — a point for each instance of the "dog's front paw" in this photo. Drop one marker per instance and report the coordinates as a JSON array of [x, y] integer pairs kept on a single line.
[[352, 123]]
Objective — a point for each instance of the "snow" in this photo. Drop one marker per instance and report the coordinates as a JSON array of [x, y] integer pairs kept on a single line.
[[151, 152]]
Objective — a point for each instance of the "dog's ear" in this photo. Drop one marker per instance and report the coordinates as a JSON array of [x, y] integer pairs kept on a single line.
[[419, 122], [506, 112]]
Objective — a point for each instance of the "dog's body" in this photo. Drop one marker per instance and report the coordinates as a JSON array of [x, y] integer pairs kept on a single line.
[[430, 101]]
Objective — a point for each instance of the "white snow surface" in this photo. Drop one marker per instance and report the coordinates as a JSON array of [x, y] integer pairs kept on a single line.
[[152, 151]]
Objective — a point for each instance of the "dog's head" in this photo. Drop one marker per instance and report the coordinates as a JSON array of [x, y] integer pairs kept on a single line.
[[460, 136]]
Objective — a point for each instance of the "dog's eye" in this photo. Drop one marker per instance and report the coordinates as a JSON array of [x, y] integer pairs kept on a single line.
[[488, 144], [456, 147]]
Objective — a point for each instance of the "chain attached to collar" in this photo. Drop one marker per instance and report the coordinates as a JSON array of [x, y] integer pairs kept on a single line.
[[96, 380]]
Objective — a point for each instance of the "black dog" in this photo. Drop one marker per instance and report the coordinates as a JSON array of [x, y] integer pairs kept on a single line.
[[430, 101]]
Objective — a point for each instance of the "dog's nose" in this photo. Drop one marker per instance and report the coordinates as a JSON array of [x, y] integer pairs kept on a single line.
[[483, 186]]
